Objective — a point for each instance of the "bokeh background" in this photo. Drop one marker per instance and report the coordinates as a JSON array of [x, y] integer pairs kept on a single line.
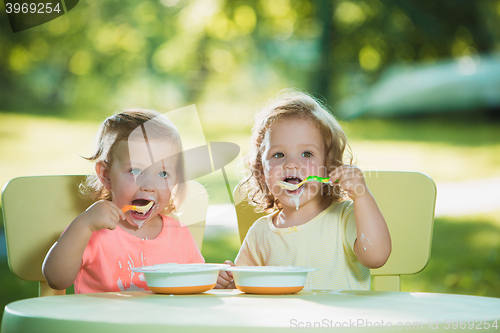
[[415, 83]]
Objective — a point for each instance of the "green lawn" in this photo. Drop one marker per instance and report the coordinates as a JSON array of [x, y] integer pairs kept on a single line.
[[464, 257]]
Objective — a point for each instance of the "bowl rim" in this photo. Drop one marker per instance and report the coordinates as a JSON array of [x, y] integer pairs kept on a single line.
[[272, 269], [173, 268]]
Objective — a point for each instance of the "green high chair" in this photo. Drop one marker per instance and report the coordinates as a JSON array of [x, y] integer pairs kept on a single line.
[[38, 209], [407, 201]]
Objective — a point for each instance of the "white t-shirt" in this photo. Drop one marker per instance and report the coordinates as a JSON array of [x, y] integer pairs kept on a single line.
[[326, 242]]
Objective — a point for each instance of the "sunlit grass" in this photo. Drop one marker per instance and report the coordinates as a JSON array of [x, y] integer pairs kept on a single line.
[[447, 149], [443, 162], [464, 257], [43, 146]]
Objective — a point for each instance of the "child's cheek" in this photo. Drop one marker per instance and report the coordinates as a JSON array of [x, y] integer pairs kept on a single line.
[[171, 183], [318, 169]]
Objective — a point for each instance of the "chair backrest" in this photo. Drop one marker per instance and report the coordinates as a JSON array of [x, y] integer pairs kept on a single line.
[[407, 201], [38, 209]]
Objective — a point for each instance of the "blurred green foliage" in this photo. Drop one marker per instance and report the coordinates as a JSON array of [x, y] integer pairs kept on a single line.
[[170, 53], [220, 246]]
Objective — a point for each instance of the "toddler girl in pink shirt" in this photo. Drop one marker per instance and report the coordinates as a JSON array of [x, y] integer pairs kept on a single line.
[[138, 162]]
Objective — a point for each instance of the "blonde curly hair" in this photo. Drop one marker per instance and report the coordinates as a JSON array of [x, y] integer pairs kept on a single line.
[[292, 104], [119, 127]]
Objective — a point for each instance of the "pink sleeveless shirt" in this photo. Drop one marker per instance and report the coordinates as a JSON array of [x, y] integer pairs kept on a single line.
[[111, 254]]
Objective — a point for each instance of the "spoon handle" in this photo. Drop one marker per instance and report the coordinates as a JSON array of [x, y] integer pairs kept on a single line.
[[128, 207], [320, 179]]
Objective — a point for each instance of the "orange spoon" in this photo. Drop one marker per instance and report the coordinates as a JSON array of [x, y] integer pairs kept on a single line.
[[140, 209]]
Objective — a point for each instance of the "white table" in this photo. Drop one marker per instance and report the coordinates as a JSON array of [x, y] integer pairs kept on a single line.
[[235, 312]]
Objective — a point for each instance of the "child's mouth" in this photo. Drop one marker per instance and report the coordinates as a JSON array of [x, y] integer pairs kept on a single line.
[[142, 214], [293, 180]]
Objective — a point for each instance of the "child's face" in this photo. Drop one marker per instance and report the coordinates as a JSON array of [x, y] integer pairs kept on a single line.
[[134, 180], [294, 150]]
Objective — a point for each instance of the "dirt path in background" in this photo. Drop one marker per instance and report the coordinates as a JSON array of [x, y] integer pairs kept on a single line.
[[468, 197]]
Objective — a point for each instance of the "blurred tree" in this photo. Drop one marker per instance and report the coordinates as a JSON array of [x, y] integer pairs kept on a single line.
[[324, 72], [167, 53]]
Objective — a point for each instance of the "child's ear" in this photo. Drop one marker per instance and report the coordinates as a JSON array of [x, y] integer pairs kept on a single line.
[[102, 171]]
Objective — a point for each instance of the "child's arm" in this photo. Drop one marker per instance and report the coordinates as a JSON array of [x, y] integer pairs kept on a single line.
[[64, 259], [373, 243]]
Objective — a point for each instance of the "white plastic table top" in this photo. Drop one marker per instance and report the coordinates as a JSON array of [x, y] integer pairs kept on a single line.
[[232, 311]]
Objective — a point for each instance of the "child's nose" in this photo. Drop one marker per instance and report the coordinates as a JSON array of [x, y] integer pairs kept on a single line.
[[291, 163], [146, 183]]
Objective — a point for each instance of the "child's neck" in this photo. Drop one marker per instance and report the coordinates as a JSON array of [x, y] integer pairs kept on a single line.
[[291, 217], [149, 230]]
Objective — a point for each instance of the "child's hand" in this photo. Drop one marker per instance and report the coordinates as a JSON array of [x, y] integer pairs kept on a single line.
[[102, 214], [351, 180], [225, 279]]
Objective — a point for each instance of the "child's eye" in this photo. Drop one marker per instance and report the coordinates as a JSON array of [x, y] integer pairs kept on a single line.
[[135, 172], [163, 174], [307, 154], [279, 155]]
